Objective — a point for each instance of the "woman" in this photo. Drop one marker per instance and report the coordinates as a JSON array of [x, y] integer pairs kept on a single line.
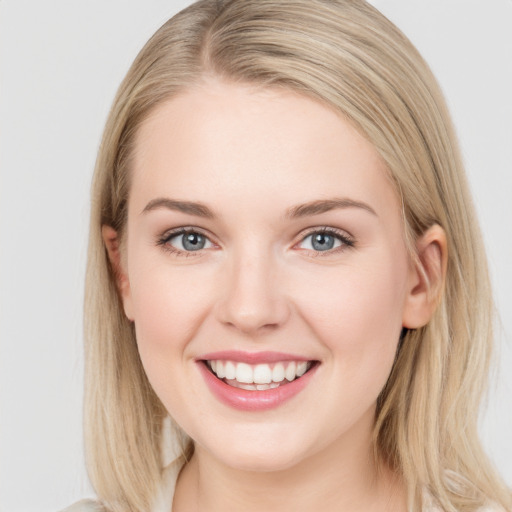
[[284, 260]]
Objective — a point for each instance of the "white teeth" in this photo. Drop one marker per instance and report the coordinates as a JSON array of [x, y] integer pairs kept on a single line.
[[301, 368], [219, 370], [252, 387], [260, 376], [278, 373], [249, 387], [244, 373], [263, 387], [290, 371], [230, 370]]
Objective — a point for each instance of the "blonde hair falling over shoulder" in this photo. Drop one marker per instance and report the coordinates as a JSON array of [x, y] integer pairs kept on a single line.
[[348, 56]]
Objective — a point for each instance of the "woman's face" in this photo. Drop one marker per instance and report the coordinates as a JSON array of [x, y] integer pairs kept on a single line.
[[264, 239]]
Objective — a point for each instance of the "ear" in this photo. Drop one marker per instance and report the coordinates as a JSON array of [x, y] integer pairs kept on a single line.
[[111, 241], [426, 278]]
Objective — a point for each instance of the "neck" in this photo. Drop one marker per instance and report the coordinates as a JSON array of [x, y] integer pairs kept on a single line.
[[341, 477]]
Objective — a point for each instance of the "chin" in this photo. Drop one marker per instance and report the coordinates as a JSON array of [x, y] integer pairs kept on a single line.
[[262, 462], [264, 453]]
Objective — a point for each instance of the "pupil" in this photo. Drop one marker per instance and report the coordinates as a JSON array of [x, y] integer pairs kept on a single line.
[[193, 242], [322, 242]]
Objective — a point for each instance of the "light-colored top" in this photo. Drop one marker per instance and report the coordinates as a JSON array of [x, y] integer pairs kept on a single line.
[[165, 495], [161, 503]]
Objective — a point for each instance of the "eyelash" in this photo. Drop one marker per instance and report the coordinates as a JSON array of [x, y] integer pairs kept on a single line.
[[163, 241], [347, 241]]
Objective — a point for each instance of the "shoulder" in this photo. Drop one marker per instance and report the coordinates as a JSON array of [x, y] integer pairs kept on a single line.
[[85, 506], [486, 508], [492, 508], [429, 505], [161, 503], [165, 495]]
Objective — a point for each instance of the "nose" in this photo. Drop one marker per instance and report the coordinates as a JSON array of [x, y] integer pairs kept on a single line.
[[252, 296]]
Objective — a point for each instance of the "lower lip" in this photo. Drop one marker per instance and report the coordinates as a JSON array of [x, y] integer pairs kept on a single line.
[[249, 400]]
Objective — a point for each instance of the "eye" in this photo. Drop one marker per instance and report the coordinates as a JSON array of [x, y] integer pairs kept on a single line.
[[185, 240], [324, 240]]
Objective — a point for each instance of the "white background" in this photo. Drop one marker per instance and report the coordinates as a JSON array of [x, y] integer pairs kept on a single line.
[[61, 62]]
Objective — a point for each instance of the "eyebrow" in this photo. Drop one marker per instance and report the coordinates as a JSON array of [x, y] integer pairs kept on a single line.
[[197, 209], [326, 205], [302, 210]]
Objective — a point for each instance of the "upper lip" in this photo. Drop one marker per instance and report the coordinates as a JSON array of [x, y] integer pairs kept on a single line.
[[240, 356]]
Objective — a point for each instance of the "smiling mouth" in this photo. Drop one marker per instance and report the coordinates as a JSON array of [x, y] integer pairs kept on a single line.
[[258, 377]]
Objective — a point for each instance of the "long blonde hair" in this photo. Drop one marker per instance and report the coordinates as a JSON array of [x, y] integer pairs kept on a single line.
[[348, 56]]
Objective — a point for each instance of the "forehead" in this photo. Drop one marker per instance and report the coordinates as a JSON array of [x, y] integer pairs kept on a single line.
[[224, 140]]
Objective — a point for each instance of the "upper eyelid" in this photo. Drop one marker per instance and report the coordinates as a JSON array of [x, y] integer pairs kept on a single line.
[[170, 233], [329, 230]]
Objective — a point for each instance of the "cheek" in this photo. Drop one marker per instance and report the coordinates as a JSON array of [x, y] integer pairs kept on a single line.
[[169, 306], [357, 313]]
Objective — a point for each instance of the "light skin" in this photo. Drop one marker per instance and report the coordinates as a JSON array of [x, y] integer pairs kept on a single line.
[[250, 156]]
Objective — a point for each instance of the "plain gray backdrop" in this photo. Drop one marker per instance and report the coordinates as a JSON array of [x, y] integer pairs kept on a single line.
[[61, 62]]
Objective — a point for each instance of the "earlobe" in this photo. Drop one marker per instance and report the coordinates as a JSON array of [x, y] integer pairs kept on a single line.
[[427, 277], [112, 244]]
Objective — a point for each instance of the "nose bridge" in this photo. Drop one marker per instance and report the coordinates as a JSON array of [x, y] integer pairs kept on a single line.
[[252, 292]]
